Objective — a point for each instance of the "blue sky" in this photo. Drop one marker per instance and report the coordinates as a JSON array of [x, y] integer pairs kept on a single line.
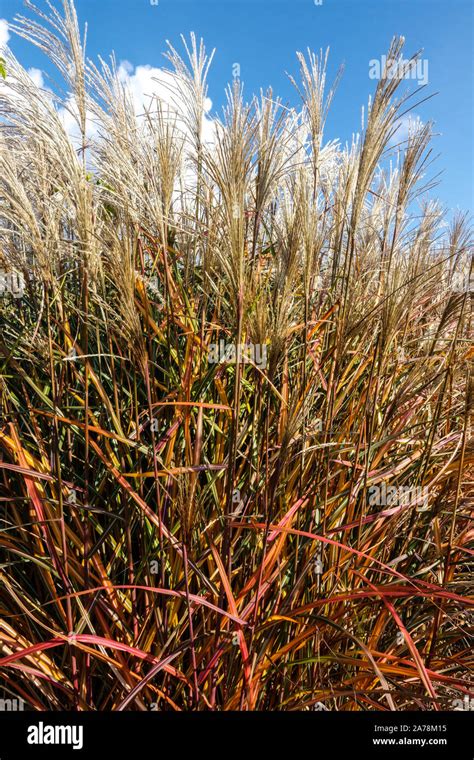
[[263, 35]]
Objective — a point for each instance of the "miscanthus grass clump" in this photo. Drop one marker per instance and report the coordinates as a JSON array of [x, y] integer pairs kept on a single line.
[[236, 469]]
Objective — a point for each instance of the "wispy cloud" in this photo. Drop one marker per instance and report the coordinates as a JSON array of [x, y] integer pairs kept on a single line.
[[407, 124], [145, 82], [37, 77], [4, 33]]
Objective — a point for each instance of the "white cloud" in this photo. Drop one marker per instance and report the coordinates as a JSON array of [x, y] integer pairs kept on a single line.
[[406, 125], [37, 77], [144, 82], [4, 33], [69, 115]]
